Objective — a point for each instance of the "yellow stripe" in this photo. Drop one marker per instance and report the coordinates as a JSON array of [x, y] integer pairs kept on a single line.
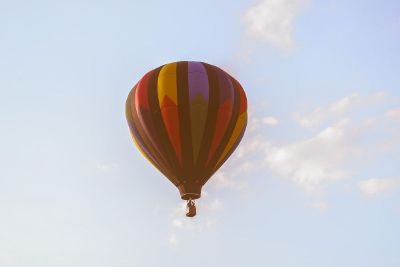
[[143, 153], [166, 83], [236, 132]]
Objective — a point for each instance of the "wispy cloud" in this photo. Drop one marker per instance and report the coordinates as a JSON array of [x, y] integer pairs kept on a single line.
[[378, 186], [206, 219], [271, 121], [393, 114], [243, 163], [231, 177], [106, 167], [335, 144], [272, 21], [312, 162], [329, 154], [337, 109], [172, 239]]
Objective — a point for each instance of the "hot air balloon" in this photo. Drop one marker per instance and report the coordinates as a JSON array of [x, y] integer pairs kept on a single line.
[[187, 118]]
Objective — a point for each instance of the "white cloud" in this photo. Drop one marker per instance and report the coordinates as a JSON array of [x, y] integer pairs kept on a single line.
[[244, 161], [173, 240], [215, 205], [177, 223], [337, 109], [312, 162], [393, 114], [221, 180], [375, 186], [327, 156], [255, 123], [206, 219], [272, 21], [106, 167], [271, 121]]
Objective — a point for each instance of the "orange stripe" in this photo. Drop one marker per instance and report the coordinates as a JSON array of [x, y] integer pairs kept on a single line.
[[236, 132], [166, 84], [223, 117], [168, 100]]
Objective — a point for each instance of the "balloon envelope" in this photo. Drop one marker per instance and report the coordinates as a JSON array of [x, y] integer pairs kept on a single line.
[[187, 118]]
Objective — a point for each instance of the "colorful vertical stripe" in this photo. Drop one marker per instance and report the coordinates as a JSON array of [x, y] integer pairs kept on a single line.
[[187, 118]]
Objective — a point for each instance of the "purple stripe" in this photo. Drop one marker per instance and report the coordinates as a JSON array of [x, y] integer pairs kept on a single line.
[[198, 80], [142, 144], [226, 89]]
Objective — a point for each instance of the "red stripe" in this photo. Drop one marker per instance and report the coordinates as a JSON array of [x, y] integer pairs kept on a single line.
[[141, 96], [223, 118], [169, 112]]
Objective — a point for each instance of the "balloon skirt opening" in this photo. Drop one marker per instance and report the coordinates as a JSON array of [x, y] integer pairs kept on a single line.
[[190, 191]]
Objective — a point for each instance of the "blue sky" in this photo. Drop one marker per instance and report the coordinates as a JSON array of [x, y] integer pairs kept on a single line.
[[315, 181]]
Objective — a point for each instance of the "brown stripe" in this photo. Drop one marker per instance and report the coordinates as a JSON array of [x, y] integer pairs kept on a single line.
[[210, 122], [184, 119], [145, 124], [164, 168], [160, 130], [233, 148], [227, 135]]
